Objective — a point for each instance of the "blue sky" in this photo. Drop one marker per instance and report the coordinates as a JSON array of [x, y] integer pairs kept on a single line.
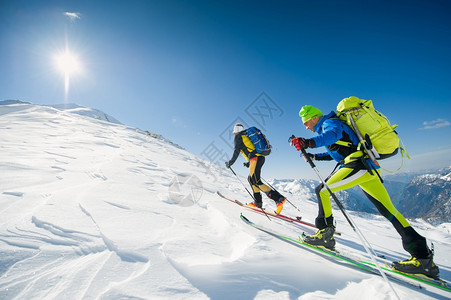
[[189, 69]]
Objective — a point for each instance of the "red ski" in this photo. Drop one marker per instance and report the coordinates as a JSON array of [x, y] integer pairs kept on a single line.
[[298, 220]]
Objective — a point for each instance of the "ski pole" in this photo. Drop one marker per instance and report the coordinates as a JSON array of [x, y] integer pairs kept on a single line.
[[267, 183], [249, 192], [362, 238]]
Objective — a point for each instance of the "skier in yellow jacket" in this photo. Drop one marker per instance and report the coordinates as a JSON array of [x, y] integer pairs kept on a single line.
[[255, 162]]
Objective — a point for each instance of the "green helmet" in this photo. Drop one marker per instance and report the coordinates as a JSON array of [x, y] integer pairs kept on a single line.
[[308, 112]]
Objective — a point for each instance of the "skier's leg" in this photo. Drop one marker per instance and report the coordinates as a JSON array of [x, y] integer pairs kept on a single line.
[[342, 179], [412, 242], [421, 260], [252, 181]]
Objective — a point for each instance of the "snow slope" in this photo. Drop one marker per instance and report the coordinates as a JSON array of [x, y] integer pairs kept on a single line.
[[91, 209]]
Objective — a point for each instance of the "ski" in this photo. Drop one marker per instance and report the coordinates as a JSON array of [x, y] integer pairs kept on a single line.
[[413, 280], [440, 283], [297, 220]]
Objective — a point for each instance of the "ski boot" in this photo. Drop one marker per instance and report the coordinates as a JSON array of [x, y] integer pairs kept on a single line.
[[413, 265], [255, 204], [280, 205], [323, 238]]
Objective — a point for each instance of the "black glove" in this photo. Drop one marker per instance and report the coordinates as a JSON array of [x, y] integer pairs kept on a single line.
[[227, 164], [311, 156], [246, 164]]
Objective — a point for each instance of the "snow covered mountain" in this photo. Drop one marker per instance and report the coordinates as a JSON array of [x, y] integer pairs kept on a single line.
[[429, 196], [426, 196], [93, 209], [71, 108]]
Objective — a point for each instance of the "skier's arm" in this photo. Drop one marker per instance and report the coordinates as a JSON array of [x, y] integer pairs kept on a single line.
[[323, 156], [332, 132], [236, 152], [234, 157]]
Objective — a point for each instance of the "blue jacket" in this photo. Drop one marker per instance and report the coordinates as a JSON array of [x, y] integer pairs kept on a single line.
[[331, 130]]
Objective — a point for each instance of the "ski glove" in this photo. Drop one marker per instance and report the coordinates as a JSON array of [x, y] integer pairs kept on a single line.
[[246, 164], [301, 143], [311, 156], [227, 164]]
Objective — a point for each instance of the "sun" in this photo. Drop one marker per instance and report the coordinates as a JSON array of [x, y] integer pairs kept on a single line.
[[67, 63]]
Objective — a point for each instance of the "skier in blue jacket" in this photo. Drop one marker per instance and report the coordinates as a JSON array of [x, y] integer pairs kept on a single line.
[[355, 168]]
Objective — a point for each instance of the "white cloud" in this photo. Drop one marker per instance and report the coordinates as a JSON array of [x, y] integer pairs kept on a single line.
[[430, 160], [435, 124], [72, 15]]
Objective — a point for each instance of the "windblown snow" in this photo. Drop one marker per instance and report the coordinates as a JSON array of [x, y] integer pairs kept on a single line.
[[93, 209]]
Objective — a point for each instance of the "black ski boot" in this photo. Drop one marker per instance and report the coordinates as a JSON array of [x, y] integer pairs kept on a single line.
[[257, 201], [413, 265], [324, 238]]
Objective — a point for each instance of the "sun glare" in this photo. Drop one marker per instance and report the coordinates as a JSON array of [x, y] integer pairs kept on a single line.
[[67, 63]]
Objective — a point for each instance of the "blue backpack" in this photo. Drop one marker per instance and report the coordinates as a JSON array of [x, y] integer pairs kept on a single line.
[[259, 140]]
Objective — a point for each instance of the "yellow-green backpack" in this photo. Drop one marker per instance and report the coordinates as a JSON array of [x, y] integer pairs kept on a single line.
[[376, 134]]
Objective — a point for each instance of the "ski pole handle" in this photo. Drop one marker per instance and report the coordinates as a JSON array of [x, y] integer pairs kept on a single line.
[[304, 153], [307, 158]]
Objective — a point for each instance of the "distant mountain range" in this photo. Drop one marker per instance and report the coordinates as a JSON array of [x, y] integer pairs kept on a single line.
[[426, 195]]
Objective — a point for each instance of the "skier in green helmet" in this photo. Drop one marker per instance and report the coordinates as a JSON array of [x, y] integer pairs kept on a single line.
[[356, 169]]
